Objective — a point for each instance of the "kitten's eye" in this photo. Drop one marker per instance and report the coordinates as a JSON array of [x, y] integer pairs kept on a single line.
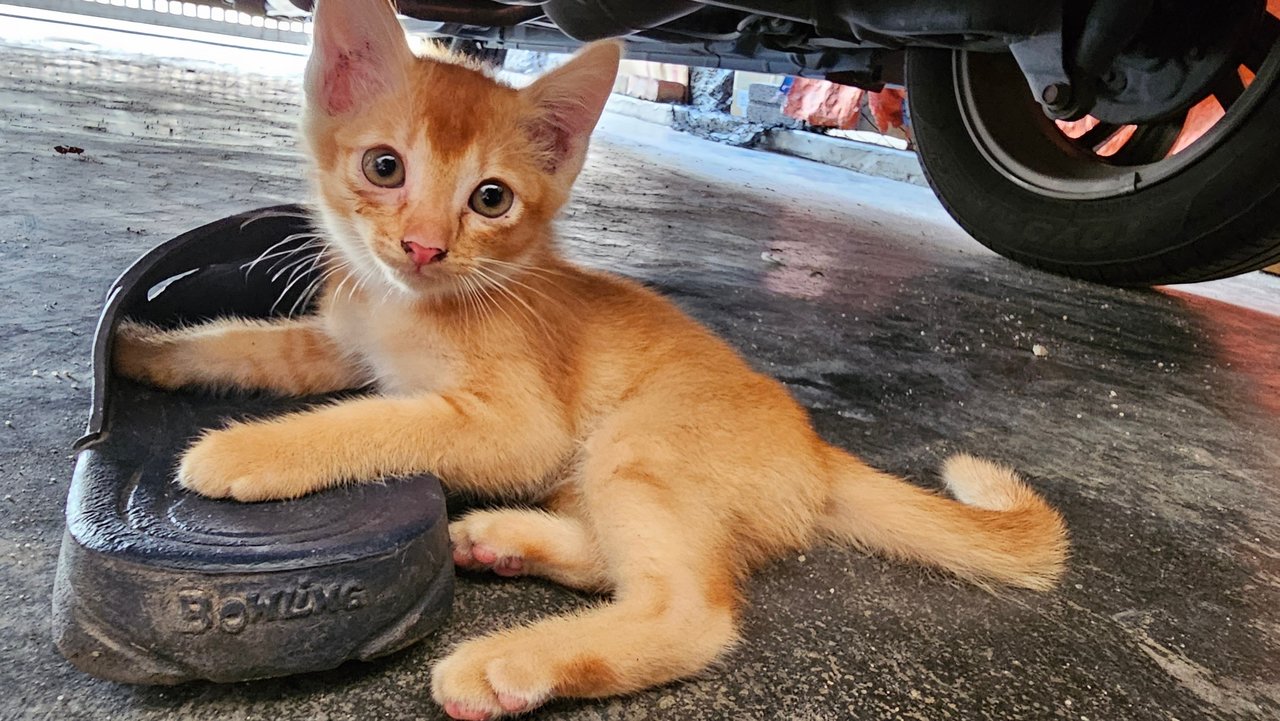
[[383, 167], [492, 198]]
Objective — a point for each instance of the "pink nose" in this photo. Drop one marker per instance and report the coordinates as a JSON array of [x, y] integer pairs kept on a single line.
[[421, 254]]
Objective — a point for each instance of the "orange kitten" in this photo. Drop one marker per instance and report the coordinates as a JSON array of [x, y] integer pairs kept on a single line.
[[665, 467]]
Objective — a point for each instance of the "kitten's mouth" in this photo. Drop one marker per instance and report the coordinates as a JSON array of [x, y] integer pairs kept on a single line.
[[420, 272], [418, 264], [429, 272]]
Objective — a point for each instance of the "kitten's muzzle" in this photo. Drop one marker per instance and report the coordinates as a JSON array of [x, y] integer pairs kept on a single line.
[[421, 254]]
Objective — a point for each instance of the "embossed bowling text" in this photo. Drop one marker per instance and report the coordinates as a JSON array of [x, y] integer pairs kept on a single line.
[[202, 609]]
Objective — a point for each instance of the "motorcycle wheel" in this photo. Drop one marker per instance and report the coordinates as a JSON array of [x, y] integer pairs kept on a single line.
[[1124, 205]]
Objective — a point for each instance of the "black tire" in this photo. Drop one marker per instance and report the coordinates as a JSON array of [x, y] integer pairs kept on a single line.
[[1216, 215]]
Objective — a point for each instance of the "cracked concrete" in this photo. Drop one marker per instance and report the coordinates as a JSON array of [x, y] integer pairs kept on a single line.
[[1153, 422]]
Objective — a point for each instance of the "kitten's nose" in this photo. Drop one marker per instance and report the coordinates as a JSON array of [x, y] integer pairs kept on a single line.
[[421, 254]]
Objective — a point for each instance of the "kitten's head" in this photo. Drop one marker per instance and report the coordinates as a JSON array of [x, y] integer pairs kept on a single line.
[[427, 170]]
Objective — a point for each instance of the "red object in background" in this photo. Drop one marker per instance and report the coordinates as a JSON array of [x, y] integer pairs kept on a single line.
[[824, 104], [886, 110], [828, 105]]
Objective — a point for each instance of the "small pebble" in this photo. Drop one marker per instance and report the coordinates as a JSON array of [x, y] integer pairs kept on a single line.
[[1039, 350]]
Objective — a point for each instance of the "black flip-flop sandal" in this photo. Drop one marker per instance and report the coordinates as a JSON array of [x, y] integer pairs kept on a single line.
[[158, 585]]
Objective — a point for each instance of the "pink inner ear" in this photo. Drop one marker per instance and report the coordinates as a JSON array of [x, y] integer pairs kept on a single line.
[[553, 138], [336, 91], [561, 126], [350, 76]]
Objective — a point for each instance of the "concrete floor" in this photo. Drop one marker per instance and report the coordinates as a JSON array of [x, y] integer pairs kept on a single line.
[[1153, 423]]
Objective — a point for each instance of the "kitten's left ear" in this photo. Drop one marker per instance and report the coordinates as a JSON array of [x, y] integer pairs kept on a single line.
[[358, 51], [567, 102]]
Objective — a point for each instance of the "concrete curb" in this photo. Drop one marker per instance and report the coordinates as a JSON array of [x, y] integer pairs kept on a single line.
[[660, 113], [865, 158]]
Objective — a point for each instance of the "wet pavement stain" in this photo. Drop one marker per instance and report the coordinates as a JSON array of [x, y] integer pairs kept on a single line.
[[1152, 419]]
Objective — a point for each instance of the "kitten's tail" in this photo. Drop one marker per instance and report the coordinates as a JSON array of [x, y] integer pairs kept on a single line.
[[999, 530]]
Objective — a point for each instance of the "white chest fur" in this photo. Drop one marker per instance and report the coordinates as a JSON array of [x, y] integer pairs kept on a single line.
[[404, 349]]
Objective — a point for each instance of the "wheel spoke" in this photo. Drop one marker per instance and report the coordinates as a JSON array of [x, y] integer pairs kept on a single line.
[[1263, 40], [1150, 142], [1097, 135]]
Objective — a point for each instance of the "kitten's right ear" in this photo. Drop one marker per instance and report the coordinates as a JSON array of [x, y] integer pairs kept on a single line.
[[358, 51]]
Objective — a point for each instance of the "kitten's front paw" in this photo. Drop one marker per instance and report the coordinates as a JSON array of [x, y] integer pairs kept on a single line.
[[238, 463]]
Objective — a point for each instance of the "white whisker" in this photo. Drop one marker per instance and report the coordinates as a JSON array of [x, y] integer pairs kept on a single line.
[[473, 300], [366, 275], [297, 265], [305, 298], [483, 283], [531, 289], [263, 215], [468, 295], [527, 309], [271, 252], [293, 280], [525, 266], [337, 291]]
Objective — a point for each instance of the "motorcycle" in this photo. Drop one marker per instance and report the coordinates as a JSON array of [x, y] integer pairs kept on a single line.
[[1130, 142]]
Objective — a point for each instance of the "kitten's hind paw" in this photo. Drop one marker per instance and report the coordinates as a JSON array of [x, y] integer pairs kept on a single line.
[[527, 542], [460, 712], [477, 682], [474, 549]]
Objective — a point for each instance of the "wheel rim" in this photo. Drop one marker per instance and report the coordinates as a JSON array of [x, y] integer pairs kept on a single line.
[[1093, 160]]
